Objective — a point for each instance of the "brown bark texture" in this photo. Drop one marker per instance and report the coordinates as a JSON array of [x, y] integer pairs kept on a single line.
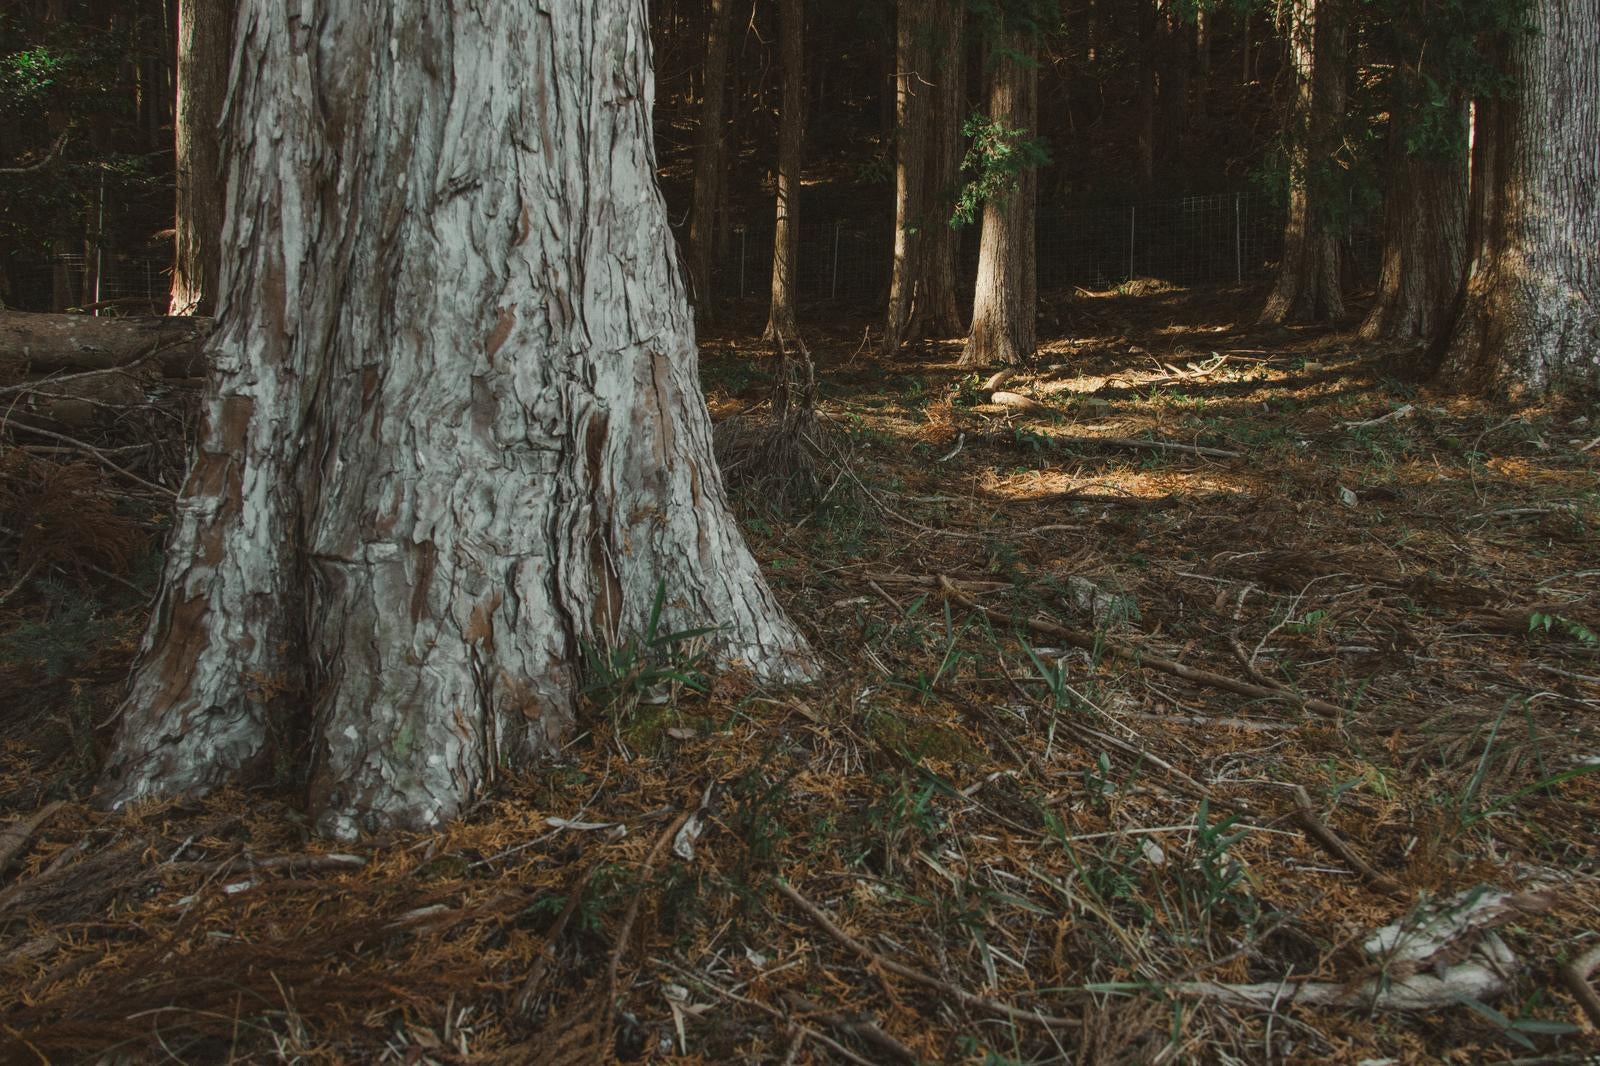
[[205, 45], [1529, 322], [912, 104], [929, 99], [950, 111], [453, 435], [1424, 245], [1005, 299], [1308, 284], [783, 327]]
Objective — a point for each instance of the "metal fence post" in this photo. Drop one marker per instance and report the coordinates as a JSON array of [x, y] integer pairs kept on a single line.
[[1238, 244], [1133, 213], [834, 295]]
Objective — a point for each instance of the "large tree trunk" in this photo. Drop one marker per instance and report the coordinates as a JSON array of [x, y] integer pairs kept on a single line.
[[1530, 320], [453, 432], [782, 324], [1308, 285], [1424, 243], [1006, 297], [913, 94], [708, 159], [205, 32]]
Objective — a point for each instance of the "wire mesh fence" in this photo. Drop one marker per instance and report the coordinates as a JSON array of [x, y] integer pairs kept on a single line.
[[1227, 238], [1193, 240], [136, 284]]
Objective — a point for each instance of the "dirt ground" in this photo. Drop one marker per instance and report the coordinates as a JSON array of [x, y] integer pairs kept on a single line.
[[1153, 694]]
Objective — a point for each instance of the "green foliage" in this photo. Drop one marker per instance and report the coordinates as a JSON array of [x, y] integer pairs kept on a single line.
[[652, 667], [996, 160], [61, 641], [1545, 623], [69, 76]]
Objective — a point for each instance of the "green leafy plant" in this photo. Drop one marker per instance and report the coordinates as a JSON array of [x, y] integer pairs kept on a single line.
[[996, 160], [653, 667], [1542, 622]]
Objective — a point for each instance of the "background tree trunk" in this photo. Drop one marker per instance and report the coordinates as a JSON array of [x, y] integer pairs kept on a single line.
[[205, 32], [1005, 299], [782, 326], [913, 97], [1424, 244], [1530, 320], [943, 240], [454, 431], [709, 162], [1308, 286]]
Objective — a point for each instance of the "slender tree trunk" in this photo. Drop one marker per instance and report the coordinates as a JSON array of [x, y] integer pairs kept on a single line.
[[205, 43], [1530, 320], [1424, 244], [1146, 102], [913, 95], [1308, 286], [782, 327], [1005, 301], [453, 432], [709, 160], [950, 97]]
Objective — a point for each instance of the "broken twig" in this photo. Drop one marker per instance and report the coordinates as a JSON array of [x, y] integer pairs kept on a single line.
[[911, 973]]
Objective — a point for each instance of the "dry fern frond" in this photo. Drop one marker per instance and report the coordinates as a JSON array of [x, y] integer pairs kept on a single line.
[[62, 513]]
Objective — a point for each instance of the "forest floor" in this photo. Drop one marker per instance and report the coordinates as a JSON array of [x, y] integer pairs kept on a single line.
[[1275, 746]]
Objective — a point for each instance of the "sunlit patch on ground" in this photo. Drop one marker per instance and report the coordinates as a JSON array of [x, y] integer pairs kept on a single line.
[[1082, 657]]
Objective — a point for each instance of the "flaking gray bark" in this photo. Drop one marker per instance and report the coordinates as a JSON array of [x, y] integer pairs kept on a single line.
[[1530, 318], [453, 428]]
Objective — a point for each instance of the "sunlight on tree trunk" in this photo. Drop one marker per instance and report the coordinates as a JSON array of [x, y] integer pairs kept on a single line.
[[782, 326], [454, 427], [913, 95], [205, 43], [1005, 301], [1308, 286]]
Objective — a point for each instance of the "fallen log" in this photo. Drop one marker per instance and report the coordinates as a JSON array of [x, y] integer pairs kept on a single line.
[[50, 344]]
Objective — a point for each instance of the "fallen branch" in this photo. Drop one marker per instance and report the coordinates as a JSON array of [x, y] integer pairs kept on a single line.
[[1121, 442], [1015, 400], [529, 993], [1575, 975], [771, 1012], [49, 343], [626, 928], [865, 1031], [1156, 445], [14, 837], [1319, 831], [911, 973], [1481, 976], [1092, 642], [101, 458]]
